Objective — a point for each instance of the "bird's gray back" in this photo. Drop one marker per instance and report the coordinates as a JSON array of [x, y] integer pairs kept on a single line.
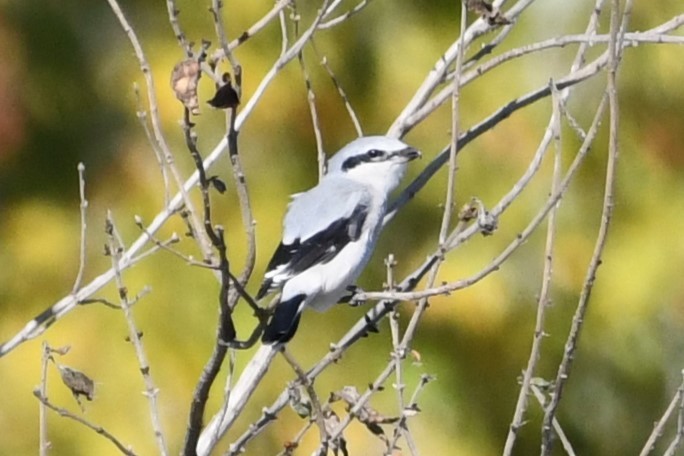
[[333, 198]]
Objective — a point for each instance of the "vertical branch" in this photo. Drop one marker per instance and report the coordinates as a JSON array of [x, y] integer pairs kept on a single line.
[[42, 408], [543, 301], [159, 155], [318, 416], [660, 424], [397, 357], [228, 296], [350, 110], [216, 6], [226, 330], [679, 436], [565, 366], [232, 141], [455, 125], [115, 249], [125, 450], [311, 98], [559, 101], [234, 404], [565, 442], [173, 11], [244, 200], [83, 207], [202, 241]]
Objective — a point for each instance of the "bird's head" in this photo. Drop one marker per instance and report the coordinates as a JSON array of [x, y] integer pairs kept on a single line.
[[379, 161]]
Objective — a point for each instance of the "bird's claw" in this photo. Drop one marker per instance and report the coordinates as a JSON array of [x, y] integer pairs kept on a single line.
[[350, 298]]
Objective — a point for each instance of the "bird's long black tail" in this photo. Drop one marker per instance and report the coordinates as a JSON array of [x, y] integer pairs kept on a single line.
[[284, 322]]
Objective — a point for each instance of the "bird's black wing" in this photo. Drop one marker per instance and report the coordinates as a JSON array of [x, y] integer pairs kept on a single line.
[[295, 257]]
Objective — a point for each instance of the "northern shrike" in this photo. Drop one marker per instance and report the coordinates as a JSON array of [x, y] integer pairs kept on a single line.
[[330, 231], [329, 234]]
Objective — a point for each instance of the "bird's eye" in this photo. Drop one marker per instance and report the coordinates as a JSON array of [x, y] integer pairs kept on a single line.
[[374, 153]]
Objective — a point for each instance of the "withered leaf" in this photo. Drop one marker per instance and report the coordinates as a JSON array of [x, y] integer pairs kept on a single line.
[[78, 382], [226, 96], [184, 81]]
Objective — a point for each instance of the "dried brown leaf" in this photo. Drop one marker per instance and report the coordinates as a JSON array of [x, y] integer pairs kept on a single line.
[[184, 81]]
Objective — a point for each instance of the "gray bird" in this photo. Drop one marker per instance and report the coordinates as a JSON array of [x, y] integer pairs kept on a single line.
[[329, 234], [330, 231]]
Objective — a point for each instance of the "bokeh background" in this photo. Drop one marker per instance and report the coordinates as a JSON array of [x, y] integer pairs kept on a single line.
[[66, 96]]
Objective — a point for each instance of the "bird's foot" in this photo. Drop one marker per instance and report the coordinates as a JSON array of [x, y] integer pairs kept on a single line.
[[350, 297]]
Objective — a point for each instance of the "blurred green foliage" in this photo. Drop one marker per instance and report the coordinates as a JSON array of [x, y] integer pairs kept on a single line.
[[66, 96]]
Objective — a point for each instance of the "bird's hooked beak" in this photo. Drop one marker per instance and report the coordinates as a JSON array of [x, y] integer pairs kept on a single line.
[[409, 153]]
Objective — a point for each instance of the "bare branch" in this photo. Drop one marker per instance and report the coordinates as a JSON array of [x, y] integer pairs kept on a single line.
[[156, 122], [175, 26], [344, 17], [606, 217], [315, 402], [350, 110], [679, 436], [151, 391], [240, 393], [98, 429], [82, 249], [565, 442], [544, 294], [42, 420], [659, 427]]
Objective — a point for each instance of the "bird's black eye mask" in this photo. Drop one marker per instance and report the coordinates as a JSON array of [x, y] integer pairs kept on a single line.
[[373, 155]]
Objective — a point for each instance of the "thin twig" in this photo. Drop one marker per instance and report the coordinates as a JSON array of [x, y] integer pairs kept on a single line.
[[83, 209], [242, 390], [216, 6], [455, 130], [311, 100], [679, 436], [397, 357], [521, 405], [544, 294], [203, 242], [98, 429], [257, 27], [565, 366], [407, 411], [159, 155], [246, 213], [42, 419], [225, 332], [365, 397], [315, 402], [115, 248], [284, 58], [345, 16], [345, 99], [173, 12], [565, 442], [660, 424]]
